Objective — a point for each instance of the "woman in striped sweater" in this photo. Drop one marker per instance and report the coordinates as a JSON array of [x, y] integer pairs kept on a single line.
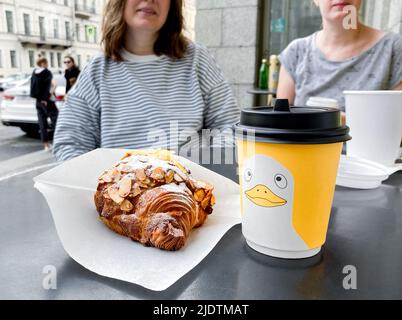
[[151, 87]]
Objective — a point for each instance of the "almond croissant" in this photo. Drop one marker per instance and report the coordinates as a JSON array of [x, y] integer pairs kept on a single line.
[[152, 199]]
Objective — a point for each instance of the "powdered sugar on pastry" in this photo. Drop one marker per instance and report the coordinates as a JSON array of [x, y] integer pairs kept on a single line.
[[153, 199]]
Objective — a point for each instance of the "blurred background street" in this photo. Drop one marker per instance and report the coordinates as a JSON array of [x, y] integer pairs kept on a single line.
[[20, 153], [14, 143]]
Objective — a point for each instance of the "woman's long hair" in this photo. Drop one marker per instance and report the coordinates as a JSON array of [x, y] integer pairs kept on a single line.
[[170, 42]]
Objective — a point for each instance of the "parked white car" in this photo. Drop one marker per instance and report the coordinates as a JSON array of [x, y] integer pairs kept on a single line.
[[18, 108], [12, 80]]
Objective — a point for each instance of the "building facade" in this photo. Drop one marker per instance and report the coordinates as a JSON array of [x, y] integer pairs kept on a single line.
[[237, 32], [385, 14], [190, 11], [53, 29], [48, 28], [230, 31]]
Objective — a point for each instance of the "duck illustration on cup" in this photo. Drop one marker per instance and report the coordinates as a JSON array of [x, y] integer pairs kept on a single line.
[[288, 162], [268, 199], [262, 196]]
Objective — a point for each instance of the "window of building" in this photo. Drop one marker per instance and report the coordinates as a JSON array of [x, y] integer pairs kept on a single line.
[[1, 59], [56, 28], [13, 58], [282, 22], [288, 20], [27, 24], [66, 2], [384, 15], [42, 54], [77, 32], [31, 55], [52, 59], [87, 32], [68, 30], [42, 30], [79, 60], [59, 60], [10, 21], [95, 35]]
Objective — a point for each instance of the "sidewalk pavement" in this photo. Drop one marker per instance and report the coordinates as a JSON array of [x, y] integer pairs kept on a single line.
[[26, 163]]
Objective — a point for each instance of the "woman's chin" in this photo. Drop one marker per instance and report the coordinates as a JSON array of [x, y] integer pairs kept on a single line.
[[338, 16], [145, 25]]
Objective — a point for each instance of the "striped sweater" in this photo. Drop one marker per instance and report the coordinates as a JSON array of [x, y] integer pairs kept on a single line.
[[131, 104]]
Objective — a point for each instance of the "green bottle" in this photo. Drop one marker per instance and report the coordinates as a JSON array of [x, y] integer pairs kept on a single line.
[[264, 73]]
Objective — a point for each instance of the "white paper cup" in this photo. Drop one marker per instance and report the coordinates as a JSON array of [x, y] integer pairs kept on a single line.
[[375, 121]]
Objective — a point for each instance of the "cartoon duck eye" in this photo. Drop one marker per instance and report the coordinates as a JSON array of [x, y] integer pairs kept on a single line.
[[281, 181], [248, 175]]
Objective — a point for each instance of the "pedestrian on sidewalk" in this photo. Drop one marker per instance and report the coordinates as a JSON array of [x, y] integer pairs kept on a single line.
[[41, 83], [72, 72]]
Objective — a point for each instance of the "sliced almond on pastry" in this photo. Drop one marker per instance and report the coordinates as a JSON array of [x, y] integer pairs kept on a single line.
[[207, 200], [203, 185], [106, 177], [143, 159], [169, 176], [158, 174], [125, 187], [199, 195], [140, 174], [135, 190], [177, 178], [113, 193], [126, 206], [125, 168], [116, 175], [213, 200]]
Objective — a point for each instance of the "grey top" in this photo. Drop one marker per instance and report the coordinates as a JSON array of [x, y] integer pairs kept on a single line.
[[378, 68]]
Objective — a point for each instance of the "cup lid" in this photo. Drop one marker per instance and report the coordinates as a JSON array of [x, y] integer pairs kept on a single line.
[[360, 173], [293, 125]]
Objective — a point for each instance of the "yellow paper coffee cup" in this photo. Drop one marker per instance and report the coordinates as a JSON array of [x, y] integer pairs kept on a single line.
[[288, 163]]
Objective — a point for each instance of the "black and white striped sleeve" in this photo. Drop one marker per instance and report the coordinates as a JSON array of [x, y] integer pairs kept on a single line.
[[221, 109], [78, 125]]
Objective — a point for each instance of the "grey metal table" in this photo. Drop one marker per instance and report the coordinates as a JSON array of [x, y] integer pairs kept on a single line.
[[365, 231]]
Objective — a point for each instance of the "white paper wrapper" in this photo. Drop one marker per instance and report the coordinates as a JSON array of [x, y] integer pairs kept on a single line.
[[69, 190]]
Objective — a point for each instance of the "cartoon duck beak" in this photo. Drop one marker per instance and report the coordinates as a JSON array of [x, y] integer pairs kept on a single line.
[[264, 197]]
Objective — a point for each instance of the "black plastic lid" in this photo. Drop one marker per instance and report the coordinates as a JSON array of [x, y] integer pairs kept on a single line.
[[293, 125]]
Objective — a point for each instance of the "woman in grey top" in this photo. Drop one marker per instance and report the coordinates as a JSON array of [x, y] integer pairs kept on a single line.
[[151, 87], [336, 59]]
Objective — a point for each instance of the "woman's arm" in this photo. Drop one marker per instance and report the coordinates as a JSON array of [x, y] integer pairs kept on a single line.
[[395, 82], [221, 110], [286, 86], [78, 125]]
